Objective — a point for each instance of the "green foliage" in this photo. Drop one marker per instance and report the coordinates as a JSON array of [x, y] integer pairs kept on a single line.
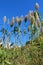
[[30, 54]]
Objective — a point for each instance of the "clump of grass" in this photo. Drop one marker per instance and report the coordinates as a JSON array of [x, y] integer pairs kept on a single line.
[[30, 54]]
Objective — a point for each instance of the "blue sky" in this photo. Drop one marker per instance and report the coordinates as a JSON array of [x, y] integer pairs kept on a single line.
[[15, 8]]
